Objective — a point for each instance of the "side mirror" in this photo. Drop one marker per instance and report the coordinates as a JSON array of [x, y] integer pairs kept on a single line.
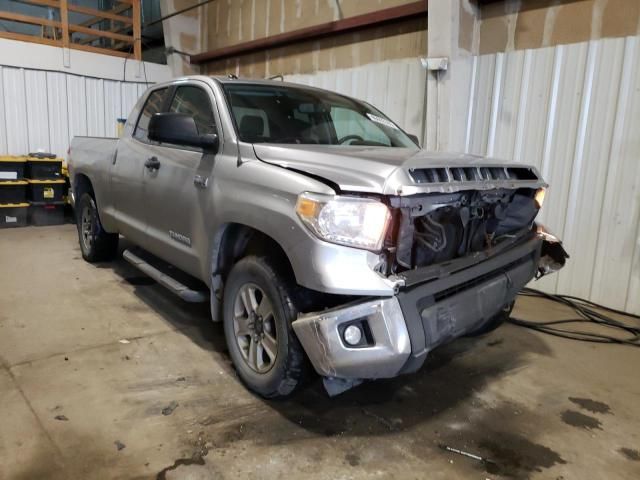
[[180, 129], [414, 138]]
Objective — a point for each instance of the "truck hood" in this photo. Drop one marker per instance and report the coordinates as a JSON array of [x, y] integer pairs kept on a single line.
[[398, 171]]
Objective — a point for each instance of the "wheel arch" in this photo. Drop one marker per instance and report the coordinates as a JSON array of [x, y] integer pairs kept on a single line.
[[233, 241], [82, 184]]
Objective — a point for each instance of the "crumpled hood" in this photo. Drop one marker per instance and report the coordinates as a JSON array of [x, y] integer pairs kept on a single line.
[[381, 170]]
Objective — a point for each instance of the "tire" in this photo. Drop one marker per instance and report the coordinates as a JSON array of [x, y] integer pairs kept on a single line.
[[258, 310], [493, 322], [96, 244]]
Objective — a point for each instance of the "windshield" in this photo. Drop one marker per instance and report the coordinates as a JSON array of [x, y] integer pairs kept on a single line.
[[274, 114]]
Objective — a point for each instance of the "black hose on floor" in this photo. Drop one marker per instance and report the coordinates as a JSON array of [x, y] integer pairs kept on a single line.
[[588, 312]]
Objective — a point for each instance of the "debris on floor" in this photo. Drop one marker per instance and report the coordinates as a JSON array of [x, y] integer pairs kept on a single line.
[[62, 418], [119, 445], [465, 454], [168, 410], [201, 450]]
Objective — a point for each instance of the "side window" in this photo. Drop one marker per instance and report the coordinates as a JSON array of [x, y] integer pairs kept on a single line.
[[348, 122], [195, 102], [153, 105]]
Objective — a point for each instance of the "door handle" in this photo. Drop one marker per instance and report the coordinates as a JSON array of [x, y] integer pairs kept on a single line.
[[152, 163], [200, 181]]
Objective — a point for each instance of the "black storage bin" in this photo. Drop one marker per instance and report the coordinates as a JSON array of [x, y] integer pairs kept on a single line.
[[13, 215], [13, 191], [12, 168], [47, 190], [46, 213], [44, 168]]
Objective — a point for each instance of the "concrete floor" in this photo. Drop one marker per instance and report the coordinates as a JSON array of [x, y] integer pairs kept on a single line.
[[91, 355]]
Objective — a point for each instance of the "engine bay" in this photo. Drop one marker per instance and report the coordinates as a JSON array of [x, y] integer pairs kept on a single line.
[[433, 228]]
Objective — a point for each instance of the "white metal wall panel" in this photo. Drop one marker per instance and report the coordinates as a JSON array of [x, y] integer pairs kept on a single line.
[[507, 110], [396, 87], [591, 164], [95, 107], [112, 105], [618, 246], [481, 108], [141, 88], [45, 110], [3, 123], [15, 111], [574, 112], [37, 110], [129, 97], [58, 115], [77, 105]]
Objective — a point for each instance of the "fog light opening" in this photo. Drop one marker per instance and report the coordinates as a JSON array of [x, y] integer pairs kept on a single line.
[[352, 335]]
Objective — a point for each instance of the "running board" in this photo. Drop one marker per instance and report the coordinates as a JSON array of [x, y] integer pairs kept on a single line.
[[185, 293]]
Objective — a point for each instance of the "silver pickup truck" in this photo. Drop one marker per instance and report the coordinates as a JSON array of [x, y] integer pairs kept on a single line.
[[320, 232]]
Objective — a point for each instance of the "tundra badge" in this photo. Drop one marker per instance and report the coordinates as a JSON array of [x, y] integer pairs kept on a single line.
[[178, 237]]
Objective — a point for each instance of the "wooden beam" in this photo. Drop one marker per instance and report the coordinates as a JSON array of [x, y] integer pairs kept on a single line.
[[64, 18], [30, 38], [97, 15], [43, 3], [104, 51], [117, 10], [103, 14], [125, 28], [59, 43], [100, 33], [18, 17], [137, 30], [358, 22]]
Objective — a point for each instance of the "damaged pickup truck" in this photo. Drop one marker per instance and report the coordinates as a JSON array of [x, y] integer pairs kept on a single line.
[[320, 232]]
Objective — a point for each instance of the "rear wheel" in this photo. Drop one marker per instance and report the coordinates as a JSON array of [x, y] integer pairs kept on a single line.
[[494, 322], [258, 312], [95, 243]]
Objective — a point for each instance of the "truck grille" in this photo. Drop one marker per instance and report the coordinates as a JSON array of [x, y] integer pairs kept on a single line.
[[453, 175]]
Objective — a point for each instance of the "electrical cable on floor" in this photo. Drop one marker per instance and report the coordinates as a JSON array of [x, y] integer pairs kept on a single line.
[[588, 312]]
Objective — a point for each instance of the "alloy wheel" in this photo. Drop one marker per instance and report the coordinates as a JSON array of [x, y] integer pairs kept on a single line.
[[255, 328]]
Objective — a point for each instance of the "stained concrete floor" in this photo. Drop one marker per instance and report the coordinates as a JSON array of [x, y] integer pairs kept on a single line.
[[92, 355]]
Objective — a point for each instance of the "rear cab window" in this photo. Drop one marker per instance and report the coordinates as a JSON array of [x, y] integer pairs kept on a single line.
[[154, 104]]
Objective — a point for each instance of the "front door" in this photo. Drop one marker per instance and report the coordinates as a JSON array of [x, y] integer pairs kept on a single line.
[[176, 191], [128, 172]]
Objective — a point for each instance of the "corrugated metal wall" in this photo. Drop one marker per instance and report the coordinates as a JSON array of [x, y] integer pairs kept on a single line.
[[44, 110], [574, 112]]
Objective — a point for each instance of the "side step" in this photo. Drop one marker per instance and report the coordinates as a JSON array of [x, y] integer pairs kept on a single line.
[[185, 293]]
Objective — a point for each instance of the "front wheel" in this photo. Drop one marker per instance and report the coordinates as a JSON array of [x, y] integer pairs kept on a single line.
[[96, 244], [258, 312]]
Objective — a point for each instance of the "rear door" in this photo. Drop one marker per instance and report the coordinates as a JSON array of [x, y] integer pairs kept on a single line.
[[177, 192], [128, 170]]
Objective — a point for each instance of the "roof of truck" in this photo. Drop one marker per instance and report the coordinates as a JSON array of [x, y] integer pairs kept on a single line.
[[227, 80]]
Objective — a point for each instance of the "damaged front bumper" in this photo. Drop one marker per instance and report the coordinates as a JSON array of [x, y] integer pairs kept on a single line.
[[399, 331]]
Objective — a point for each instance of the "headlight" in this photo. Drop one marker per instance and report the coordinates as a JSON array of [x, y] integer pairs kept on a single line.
[[539, 197], [543, 232], [352, 221]]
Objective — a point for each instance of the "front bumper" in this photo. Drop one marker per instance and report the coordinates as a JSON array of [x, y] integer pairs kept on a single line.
[[405, 327]]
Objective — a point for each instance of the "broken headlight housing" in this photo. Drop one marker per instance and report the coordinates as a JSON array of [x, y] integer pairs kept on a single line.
[[352, 221]]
